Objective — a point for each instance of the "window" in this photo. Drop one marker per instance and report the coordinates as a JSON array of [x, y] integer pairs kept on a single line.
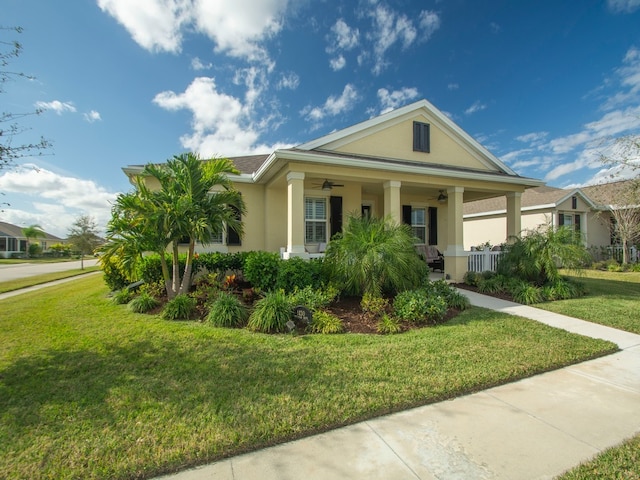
[[574, 202], [569, 220], [233, 238], [315, 220], [421, 141], [419, 224]]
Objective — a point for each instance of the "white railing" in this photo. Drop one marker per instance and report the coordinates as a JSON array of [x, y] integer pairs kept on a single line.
[[609, 252], [483, 260]]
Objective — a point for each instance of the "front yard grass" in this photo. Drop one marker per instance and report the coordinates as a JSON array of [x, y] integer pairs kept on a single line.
[[44, 278], [90, 390], [620, 462], [612, 300]]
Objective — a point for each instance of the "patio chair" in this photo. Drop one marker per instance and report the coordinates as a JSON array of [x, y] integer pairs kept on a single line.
[[431, 255]]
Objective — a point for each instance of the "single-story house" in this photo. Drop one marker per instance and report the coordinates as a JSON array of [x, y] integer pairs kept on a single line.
[[586, 209], [13, 242], [412, 164]]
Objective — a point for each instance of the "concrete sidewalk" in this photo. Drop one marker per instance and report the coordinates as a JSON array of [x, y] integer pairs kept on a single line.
[[535, 428]]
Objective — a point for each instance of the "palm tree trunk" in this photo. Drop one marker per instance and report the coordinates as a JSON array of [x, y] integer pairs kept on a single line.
[[165, 273], [175, 286], [186, 279]]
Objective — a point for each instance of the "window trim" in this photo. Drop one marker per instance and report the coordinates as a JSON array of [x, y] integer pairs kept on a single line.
[[324, 221]]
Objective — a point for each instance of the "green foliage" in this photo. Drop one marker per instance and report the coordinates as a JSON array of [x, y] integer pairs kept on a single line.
[[526, 293], [324, 322], [149, 268], [374, 255], [34, 249], [471, 278], [181, 307], [271, 313], [227, 311], [535, 257], [60, 250], [493, 284], [261, 269], [388, 325], [122, 297], [298, 273], [373, 304], [155, 289], [313, 298], [143, 303], [418, 306], [114, 276]]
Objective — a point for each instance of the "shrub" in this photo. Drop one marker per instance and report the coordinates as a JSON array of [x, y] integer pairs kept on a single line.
[[526, 293], [419, 306], [297, 273], [373, 304], [271, 313], [114, 276], [471, 278], [324, 322], [181, 307], [313, 298], [494, 284], [143, 303], [227, 311], [388, 325], [374, 255], [122, 296], [261, 269]]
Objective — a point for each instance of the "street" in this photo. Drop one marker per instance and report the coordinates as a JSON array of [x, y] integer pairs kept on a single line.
[[23, 270]]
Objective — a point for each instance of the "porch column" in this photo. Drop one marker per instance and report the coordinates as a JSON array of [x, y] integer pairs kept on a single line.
[[295, 214], [514, 215], [455, 258], [392, 206]]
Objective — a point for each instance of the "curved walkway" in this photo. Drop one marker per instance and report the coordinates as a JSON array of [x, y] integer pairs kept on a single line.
[[534, 428]]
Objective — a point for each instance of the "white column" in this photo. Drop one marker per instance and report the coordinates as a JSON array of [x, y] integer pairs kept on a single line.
[[514, 215], [392, 200], [295, 214], [455, 258]]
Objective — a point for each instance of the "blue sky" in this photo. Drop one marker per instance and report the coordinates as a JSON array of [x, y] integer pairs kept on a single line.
[[542, 84]]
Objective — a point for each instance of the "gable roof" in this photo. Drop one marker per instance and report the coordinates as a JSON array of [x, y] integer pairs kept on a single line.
[[603, 194], [421, 106]]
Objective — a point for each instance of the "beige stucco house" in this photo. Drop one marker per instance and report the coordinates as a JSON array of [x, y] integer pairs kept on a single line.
[[413, 164]]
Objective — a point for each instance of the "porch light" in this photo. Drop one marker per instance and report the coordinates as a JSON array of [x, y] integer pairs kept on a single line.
[[442, 198], [326, 186]]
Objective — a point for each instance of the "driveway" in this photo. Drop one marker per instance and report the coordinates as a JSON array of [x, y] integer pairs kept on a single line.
[[23, 270]]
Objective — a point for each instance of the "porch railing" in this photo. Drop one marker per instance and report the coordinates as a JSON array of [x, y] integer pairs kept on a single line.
[[483, 260]]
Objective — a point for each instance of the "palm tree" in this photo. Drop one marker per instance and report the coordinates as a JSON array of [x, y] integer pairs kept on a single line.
[[32, 232], [373, 255], [195, 200], [536, 256]]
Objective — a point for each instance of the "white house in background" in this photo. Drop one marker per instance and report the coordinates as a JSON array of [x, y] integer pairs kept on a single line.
[[585, 209], [13, 242]]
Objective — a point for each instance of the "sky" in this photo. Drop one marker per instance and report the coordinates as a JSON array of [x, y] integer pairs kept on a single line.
[[544, 85]]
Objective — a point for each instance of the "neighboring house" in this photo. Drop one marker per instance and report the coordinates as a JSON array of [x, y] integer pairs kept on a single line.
[[13, 242], [585, 209], [412, 164]]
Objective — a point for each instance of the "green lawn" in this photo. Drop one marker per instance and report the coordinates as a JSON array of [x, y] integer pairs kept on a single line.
[[90, 390], [612, 299], [38, 279], [617, 463]]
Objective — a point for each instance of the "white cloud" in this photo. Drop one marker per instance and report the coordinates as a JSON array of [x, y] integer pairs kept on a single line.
[[344, 37], [57, 106], [453, 86], [92, 116], [392, 100], [337, 63], [289, 80], [476, 107], [54, 200], [197, 65], [623, 6], [390, 27], [334, 105], [154, 24], [533, 138], [222, 124], [237, 27]]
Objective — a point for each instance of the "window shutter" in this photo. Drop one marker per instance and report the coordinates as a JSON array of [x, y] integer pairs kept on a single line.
[[433, 225], [577, 223], [574, 202], [421, 141], [406, 214], [233, 238]]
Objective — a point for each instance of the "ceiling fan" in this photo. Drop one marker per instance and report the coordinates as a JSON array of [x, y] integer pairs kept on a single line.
[[441, 198], [327, 185]]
